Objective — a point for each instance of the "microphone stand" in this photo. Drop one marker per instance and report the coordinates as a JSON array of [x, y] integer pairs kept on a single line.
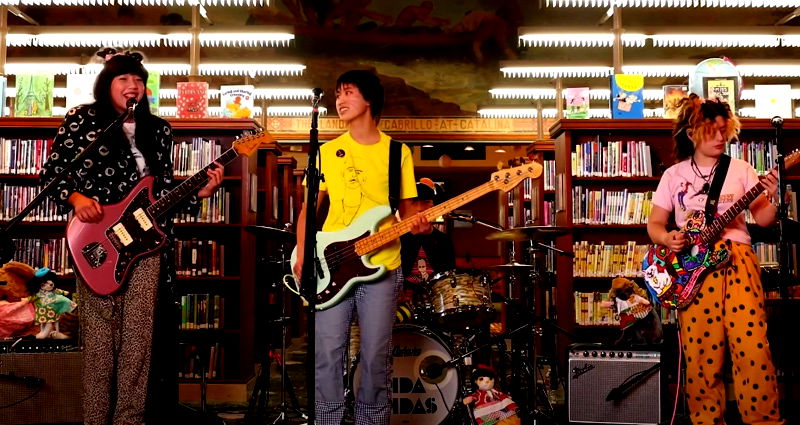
[[7, 247], [784, 249], [309, 278]]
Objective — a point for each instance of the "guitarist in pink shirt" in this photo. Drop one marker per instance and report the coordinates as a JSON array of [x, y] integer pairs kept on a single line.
[[727, 313]]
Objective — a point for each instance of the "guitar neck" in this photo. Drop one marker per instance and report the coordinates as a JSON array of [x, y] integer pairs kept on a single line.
[[188, 186], [712, 231], [379, 239]]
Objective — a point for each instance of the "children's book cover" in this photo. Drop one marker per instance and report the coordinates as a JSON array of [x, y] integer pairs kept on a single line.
[[152, 87], [626, 96], [673, 94], [34, 95], [577, 100], [192, 101], [236, 101]]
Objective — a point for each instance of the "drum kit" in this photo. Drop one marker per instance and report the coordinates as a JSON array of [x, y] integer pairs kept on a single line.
[[450, 329]]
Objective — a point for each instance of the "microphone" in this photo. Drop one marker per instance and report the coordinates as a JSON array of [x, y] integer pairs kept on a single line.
[[776, 121], [318, 93], [131, 104]]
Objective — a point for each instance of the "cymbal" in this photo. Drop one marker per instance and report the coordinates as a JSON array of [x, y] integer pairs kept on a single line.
[[528, 233], [279, 234], [512, 265]]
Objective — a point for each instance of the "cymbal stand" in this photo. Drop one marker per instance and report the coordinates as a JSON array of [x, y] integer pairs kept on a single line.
[[261, 388]]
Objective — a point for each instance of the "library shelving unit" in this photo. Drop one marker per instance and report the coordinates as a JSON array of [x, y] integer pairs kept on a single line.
[[233, 277]]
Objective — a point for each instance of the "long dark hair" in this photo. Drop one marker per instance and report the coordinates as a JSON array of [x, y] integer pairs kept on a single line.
[[115, 65], [695, 122]]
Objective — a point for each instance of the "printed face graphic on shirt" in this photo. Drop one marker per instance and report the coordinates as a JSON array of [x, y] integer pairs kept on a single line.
[[353, 193]]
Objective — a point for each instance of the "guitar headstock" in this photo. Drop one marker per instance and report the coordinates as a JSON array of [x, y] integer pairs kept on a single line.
[[792, 159], [509, 178], [248, 144]]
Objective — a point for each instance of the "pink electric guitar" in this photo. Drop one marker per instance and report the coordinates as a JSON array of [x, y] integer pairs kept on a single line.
[[104, 252]]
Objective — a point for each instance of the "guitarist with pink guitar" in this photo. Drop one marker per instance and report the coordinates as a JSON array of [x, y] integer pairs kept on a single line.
[[118, 328], [708, 269]]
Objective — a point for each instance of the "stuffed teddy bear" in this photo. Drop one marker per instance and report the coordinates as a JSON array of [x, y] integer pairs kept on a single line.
[[639, 322], [50, 303], [16, 311], [492, 406]]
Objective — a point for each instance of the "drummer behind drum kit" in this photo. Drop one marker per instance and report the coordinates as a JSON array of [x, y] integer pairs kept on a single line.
[[433, 352]]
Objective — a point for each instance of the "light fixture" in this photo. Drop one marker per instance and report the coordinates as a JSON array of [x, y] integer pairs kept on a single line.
[[55, 68], [661, 70], [499, 150], [245, 39], [523, 93], [555, 71], [293, 111], [508, 112], [56, 39], [212, 111], [469, 148], [673, 3], [271, 69], [218, 3], [427, 146], [716, 40], [531, 38], [278, 93]]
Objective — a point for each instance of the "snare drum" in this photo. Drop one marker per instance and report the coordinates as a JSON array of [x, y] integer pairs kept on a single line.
[[423, 389], [461, 299]]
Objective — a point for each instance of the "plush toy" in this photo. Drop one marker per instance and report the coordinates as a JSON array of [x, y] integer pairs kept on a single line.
[[50, 303], [16, 312], [639, 322], [492, 407]]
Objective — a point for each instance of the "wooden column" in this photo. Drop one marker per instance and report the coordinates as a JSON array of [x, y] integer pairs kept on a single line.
[[194, 45], [617, 48]]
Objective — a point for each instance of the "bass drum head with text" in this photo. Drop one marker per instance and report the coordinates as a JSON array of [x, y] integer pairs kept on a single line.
[[415, 398]]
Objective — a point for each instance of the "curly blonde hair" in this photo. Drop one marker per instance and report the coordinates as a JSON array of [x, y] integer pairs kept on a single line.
[[696, 122]]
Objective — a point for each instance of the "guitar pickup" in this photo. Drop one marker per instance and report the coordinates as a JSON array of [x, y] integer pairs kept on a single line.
[[143, 220], [94, 254], [122, 234]]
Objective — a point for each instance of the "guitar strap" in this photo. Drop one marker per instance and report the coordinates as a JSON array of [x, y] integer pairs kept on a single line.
[[395, 150], [716, 187]]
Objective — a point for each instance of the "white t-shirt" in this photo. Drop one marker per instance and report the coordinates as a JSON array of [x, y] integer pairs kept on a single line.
[[130, 132], [680, 187]]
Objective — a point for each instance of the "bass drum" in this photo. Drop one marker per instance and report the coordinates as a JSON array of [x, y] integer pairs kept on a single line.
[[418, 369]]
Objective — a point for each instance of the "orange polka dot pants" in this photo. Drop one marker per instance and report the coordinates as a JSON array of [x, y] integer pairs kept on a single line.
[[728, 314]]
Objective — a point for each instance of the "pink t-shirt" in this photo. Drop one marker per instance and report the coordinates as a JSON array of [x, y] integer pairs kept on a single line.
[[680, 187]]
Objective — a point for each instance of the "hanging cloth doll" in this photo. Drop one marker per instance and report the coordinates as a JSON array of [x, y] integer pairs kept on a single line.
[[50, 303], [492, 406]]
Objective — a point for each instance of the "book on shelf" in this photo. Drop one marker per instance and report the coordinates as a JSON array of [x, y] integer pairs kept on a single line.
[[760, 154], [197, 360], [3, 94], [50, 253], [577, 101], [34, 95], [673, 95], [603, 207], [202, 311], [80, 89], [627, 96], [237, 101], [152, 89], [197, 257], [606, 260], [724, 89], [21, 156], [591, 310], [614, 158], [773, 100], [192, 100]]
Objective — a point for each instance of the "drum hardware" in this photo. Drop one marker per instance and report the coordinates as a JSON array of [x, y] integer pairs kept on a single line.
[[527, 233], [258, 398]]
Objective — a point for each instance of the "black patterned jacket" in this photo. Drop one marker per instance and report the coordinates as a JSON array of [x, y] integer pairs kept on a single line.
[[109, 174]]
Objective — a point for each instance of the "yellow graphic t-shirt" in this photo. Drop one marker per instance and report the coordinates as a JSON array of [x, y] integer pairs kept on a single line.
[[357, 180]]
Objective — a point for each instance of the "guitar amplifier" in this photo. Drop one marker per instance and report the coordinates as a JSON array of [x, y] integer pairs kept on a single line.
[[40, 388], [631, 380]]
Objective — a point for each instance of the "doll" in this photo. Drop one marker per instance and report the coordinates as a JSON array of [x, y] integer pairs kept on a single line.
[[639, 322], [492, 407], [50, 303], [16, 311]]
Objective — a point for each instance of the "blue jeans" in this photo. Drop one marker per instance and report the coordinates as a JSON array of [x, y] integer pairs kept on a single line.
[[376, 304]]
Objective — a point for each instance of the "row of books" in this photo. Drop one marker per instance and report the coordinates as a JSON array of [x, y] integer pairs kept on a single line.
[[189, 157], [14, 198], [590, 311], [50, 253], [761, 155], [214, 209], [613, 158], [593, 206], [198, 257], [196, 360], [202, 311], [602, 260], [549, 174], [23, 156]]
